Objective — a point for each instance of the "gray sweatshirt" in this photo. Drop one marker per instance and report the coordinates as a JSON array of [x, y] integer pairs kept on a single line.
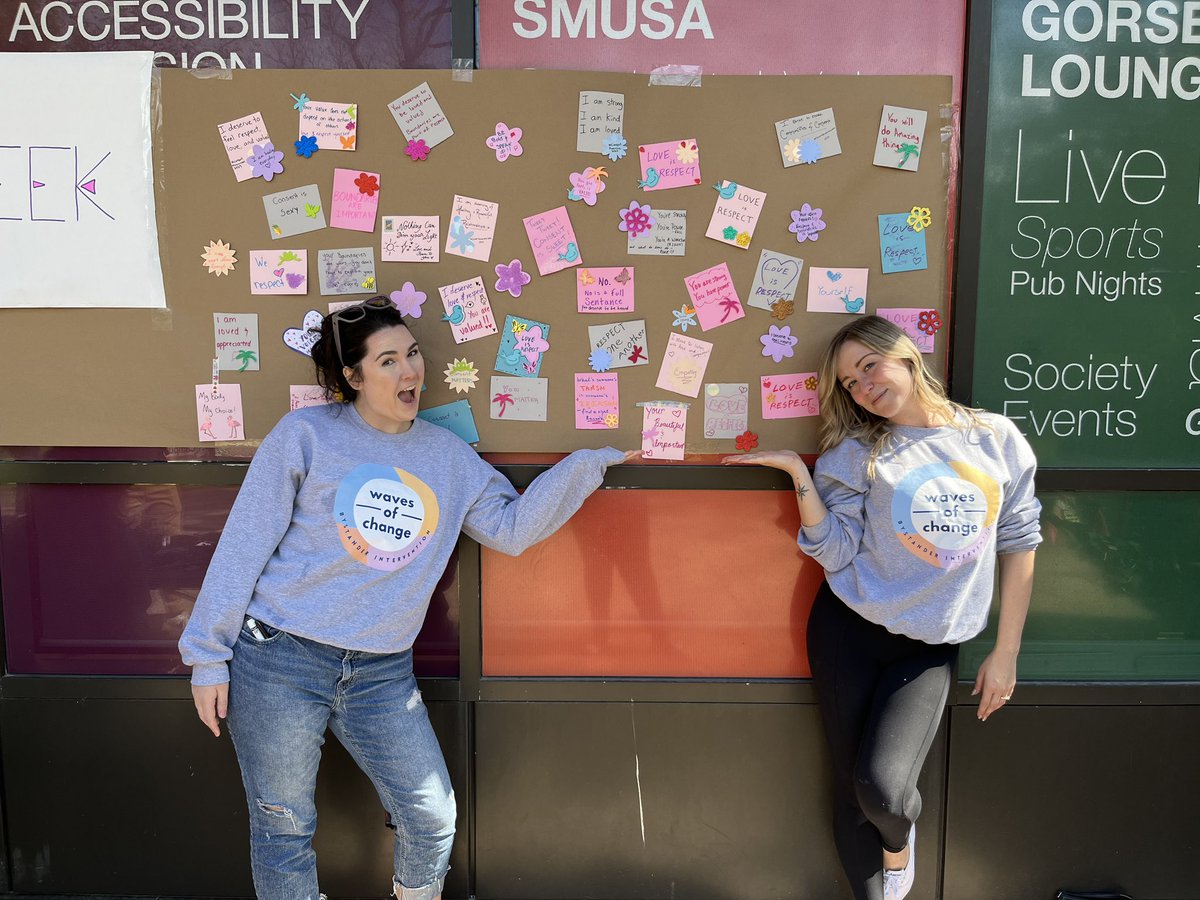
[[914, 549], [341, 532]]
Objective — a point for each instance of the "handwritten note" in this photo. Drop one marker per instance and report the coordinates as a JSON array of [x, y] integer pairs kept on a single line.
[[355, 199], [726, 410], [236, 341], [668, 237], [350, 270], [456, 417], [664, 430], [624, 342], [714, 297], [672, 164], [683, 365], [775, 279], [553, 240], [468, 310], [597, 404], [789, 396], [899, 142], [917, 323], [735, 214], [294, 212], [604, 290], [239, 137], [901, 249], [837, 290], [472, 227], [518, 399], [303, 395], [522, 344], [420, 116], [808, 138], [600, 114], [279, 271], [219, 412], [332, 124], [410, 239]]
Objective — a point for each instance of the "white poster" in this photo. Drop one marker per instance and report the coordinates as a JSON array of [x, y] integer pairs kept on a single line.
[[77, 225]]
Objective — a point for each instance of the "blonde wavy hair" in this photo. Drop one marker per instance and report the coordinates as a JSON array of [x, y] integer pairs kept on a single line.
[[842, 418]]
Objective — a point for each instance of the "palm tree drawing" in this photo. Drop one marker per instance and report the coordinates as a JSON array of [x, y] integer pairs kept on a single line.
[[504, 400], [908, 150], [729, 306], [245, 357]]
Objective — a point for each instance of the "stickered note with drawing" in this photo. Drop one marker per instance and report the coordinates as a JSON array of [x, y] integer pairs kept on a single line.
[[776, 278], [278, 271], [472, 227], [726, 409], [837, 290], [350, 270], [899, 142], [332, 125], [683, 365], [597, 401], [618, 345], [808, 138], [467, 309], [518, 399], [664, 430], [236, 336], [239, 138], [293, 212], [219, 412], [522, 344], [604, 290], [789, 396]]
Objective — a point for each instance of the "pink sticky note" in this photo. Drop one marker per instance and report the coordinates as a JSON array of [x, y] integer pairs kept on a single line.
[[735, 214], [664, 430], [302, 395], [468, 310], [596, 401], [919, 323], [219, 412], [279, 271], [410, 239], [332, 124], [789, 396], [472, 227], [606, 290], [239, 138], [837, 290], [683, 365], [355, 199], [553, 240], [714, 297], [672, 164]]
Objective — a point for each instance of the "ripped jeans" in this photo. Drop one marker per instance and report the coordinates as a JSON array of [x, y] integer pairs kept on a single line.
[[283, 693]]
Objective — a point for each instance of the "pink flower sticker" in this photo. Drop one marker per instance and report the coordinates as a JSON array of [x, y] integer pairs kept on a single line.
[[417, 150], [506, 142], [636, 218]]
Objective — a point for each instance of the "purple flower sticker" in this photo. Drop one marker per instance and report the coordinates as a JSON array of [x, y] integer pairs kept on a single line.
[[807, 223], [265, 161], [511, 278], [636, 218], [408, 300], [778, 342], [506, 142]]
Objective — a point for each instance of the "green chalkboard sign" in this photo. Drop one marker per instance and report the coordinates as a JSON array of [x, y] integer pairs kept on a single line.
[[1086, 210]]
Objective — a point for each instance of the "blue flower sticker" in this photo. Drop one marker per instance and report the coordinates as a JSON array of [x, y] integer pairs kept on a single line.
[[810, 151], [301, 101], [615, 147], [307, 145], [600, 360], [684, 317]]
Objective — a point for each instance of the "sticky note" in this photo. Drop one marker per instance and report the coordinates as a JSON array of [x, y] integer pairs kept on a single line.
[[456, 417], [789, 396], [901, 249], [238, 138], [672, 164], [236, 341], [664, 430], [714, 297], [334, 125], [837, 290], [899, 142], [683, 365], [624, 342], [735, 214], [597, 403], [518, 399], [355, 199], [279, 271], [522, 343], [303, 395], [468, 310], [296, 211], [601, 113], [916, 322], [608, 289], [808, 138], [350, 270], [775, 278], [726, 409], [472, 227], [420, 116], [553, 240], [410, 239], [219, 412]]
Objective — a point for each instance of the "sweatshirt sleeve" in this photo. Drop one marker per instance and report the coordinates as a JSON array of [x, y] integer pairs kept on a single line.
[[257, 522], [1019, 525], [840, 480], [504, 520]]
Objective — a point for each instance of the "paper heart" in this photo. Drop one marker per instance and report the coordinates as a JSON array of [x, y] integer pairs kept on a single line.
[[766, 385], [279, 272], [303, 338]]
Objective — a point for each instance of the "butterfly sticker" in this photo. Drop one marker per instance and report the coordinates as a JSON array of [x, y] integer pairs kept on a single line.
[[347, 141], [586, 277]]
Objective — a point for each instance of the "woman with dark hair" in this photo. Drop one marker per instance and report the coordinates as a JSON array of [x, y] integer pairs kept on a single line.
[[914, 501], [320, 583]]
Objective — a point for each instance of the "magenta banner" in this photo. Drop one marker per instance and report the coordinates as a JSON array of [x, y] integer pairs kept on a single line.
[[239, 34]]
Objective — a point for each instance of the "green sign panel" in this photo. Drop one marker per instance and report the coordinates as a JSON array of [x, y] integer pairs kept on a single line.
[[1088, 321]]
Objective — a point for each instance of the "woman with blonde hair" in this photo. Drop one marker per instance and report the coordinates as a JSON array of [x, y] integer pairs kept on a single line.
[[914, 500]]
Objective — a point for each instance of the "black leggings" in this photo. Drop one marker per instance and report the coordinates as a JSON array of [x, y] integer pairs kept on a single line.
[[881, 697]]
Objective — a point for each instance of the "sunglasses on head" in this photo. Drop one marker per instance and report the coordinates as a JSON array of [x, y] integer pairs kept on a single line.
[[353, 314]]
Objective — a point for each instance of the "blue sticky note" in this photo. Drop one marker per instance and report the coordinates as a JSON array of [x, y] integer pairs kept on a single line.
[[522, 344], [900, 248], [455, 417]]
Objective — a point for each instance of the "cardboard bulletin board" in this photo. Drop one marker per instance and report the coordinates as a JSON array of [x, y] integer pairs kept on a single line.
[[109, 377]]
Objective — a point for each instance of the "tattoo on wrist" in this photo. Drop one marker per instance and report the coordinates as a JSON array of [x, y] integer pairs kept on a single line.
[[802, 491]]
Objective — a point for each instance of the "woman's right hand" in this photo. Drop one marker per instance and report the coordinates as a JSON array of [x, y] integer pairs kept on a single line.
[[787, 460], [212, 703]]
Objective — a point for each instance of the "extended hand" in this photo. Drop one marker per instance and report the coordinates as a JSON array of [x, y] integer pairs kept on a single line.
[[995, 682], [787, 460]]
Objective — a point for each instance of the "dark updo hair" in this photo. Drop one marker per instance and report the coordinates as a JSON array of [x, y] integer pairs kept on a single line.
[[353, 329]]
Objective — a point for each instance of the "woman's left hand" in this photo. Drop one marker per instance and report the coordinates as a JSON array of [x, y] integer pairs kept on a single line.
[[995, 682], [632, 456]]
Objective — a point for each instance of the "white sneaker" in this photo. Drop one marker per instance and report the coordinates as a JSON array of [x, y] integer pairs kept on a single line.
[[898, 882]]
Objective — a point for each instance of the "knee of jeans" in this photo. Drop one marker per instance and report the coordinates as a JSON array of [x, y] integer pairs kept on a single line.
[[280, 819], [426, 892]]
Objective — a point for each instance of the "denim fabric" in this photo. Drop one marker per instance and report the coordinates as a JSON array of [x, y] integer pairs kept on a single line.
[[283, 693]]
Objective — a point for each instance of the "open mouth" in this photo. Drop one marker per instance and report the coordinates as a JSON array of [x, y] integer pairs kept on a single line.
[[408, 396]]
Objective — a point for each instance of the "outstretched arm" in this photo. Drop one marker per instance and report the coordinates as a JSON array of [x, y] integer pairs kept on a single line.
[[812, 508]]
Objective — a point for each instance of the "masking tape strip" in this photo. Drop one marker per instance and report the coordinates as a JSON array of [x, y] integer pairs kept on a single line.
[[462, 69], [676, 76]]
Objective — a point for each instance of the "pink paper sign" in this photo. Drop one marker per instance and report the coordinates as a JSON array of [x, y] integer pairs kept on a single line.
[[302, 395], [683, 365], [672, 164], [410, 239], [789, 396], [596, 400], [279, 271], [332, 124], [472, 227], [735, 215], [918, 323], [239, 138], [714, 297], [468, 310], [219, 412], [355, 199], [837, 290], [553, 240], [664, 430], [607, 290]]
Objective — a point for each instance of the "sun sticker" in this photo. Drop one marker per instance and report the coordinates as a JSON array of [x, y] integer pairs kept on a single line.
[[461, 375], [219, 258]]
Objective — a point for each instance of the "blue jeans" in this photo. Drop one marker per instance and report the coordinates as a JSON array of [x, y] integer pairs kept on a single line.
[[283, 693]]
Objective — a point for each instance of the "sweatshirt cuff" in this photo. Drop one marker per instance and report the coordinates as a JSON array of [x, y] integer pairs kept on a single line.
[[209, 674], [812, 536], [610, 456]]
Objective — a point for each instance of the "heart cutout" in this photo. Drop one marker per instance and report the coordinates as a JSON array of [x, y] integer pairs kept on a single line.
[[695, 181], [303, 338], [766, 385], [279, 272]]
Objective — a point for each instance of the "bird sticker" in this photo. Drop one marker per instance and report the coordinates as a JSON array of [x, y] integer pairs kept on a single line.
[[571, 253], [726, 189], [456, 316], [651, 180], [854, 305]]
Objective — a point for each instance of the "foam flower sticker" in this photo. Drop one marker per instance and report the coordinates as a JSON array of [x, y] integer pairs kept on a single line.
[[511, 278], [265, 161], [746, 441], [810, 151], [792, 150], [615, 147], [779, 342], [920, 218], [587, 184], [684, 316], [301, 101], [461, 375], [687, 152], [417, 150], [306, 146], [781, 309], [636, 218], [743, 239], [219, 258], [366, 184], [929, 322], [810, 383], [807, 223], [409, 300], [506, 142], [600, 360], [612, 420], [729, 233]]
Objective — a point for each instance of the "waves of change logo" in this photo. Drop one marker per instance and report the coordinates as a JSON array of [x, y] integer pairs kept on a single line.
[[385, 516], [944, 513]]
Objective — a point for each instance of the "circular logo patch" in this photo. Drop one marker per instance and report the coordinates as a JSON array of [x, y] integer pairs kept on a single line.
[[385, 516], [945, 513]]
